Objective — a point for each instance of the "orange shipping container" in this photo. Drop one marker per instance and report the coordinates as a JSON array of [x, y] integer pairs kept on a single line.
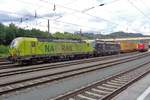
[[128, 46]]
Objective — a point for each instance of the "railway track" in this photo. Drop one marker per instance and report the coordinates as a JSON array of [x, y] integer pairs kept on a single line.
[[25, 81], [21, 70], [2, 59], [4, 62], [108, 88], [8, 65]]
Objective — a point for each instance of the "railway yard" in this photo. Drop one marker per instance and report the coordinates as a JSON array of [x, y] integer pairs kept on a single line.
[[74, 50], [98, 78]]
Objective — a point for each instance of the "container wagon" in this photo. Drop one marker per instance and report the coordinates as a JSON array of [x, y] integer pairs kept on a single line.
[[106, 48], [127, 46]]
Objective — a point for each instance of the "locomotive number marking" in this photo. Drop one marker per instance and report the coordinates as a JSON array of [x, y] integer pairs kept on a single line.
[[66, 48]]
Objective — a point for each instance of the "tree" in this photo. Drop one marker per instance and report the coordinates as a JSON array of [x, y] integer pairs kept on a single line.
[[2, 34]]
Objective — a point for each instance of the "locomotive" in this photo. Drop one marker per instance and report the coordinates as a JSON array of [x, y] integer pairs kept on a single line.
[[142, 46], [29, 50]]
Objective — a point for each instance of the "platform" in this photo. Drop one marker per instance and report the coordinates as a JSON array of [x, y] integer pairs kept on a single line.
[[138, 91]]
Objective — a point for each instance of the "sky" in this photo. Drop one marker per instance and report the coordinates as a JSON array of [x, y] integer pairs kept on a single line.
[[75, 15]]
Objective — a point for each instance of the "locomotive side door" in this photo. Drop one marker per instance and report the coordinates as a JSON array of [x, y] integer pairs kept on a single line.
[[33, 48]]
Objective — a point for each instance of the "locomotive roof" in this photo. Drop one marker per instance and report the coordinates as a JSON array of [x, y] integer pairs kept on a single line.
[[58, 40], [48, 39]]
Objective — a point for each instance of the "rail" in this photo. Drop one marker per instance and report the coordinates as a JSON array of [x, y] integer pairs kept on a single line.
[[108, 88], [26, 82]]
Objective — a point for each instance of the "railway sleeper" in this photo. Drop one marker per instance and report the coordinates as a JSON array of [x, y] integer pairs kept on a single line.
[[110, 86], [83, 97], [101, 92], [114, 83], [96, 92], [108, 89], [89, 94], [93, 93]]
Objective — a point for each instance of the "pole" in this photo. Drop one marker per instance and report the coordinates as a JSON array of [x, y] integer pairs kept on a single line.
[[48, 27], [80, 31]]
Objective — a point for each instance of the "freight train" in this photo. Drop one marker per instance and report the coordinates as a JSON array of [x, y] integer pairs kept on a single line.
[[29, 50]]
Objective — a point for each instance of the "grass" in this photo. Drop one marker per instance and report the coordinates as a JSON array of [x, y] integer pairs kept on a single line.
[[4, 50]]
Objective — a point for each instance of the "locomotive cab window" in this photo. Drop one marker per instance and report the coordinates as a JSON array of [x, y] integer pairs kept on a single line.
[[13, 44]]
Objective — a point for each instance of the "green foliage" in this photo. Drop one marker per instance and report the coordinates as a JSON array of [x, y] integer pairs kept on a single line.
[[4, 50], [8, 33]]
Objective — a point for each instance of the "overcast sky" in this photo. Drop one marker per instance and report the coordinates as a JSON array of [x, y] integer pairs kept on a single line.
[[73, 15]]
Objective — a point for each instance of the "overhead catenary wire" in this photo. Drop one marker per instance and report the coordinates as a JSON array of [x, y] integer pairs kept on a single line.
[[35, 16], [32, 16], [99, 17], [22, 19], [75, 10], [144, 3], [113, 1], [62, 29], [101, 4], [79, 12], [74, 24], [71, 2], [139, 10]]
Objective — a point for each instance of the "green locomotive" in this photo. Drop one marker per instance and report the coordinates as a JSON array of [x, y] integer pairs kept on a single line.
[[27, 50]]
